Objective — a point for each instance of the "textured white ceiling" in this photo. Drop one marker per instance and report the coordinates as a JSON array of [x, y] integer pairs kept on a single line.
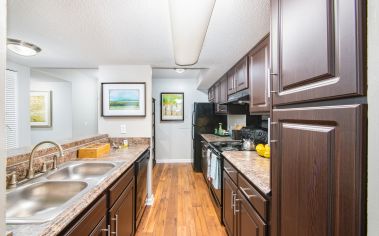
[[89, 33]]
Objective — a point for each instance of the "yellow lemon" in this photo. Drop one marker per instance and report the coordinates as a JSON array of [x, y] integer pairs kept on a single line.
[[267, 152], [260, 148]]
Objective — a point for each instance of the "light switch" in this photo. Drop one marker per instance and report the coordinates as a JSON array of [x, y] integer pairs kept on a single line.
[[123, 129]]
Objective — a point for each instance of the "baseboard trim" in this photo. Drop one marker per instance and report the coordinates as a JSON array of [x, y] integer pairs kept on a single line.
[[173, 160]]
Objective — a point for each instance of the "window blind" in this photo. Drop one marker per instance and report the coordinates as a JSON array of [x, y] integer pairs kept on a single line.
[[11, 109]]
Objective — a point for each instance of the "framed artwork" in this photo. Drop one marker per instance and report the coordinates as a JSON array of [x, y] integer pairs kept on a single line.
[[172, 106], [123, 99], [40, 109]]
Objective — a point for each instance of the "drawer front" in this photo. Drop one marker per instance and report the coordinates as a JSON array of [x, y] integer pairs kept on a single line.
[[254, 197], [117, 188], [232, 172]]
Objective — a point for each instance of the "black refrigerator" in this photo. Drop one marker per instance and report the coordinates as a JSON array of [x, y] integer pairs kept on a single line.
[[204, 121]]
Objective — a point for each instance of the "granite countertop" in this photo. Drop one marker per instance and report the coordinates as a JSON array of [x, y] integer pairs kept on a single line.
[[127, 156], [255, 168], [215, 138]]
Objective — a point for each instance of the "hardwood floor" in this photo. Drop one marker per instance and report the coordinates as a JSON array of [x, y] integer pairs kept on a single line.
[[182, 204]]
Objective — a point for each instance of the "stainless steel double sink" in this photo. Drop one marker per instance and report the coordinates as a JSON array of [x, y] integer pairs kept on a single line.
[[44, 198]]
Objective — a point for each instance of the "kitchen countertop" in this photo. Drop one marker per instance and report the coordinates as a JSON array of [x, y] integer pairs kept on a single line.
[[255, 168], [215, 138], [53, 227]]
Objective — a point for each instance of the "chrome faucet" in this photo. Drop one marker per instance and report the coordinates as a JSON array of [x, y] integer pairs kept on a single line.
[[60, 154]]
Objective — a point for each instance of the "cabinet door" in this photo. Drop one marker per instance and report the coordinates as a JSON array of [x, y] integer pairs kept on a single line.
[[122, 215], [217, 91], [248, 221], [259, 77], [101, 228], [229, 193], [224, 90], [317, 49], [231, 81], [241, 78], [318, 171]]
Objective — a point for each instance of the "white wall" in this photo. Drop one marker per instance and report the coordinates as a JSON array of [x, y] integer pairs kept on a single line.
[[135, 126], [173, 139], [3, 24], [84, 105], [23, 88], [61, 108], [373, 118]]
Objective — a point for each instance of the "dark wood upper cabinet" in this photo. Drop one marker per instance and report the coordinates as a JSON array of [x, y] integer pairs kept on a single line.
[[317, 50], [217, 91], [259, 60], [231, 81], [211, 94], [224, 89], [318, 171], [241, 75]]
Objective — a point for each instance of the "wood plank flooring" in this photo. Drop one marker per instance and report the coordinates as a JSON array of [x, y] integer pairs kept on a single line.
[[182, 204]]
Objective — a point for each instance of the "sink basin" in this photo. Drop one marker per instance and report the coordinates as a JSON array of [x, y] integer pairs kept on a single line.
[[40, 201], [82, 171]]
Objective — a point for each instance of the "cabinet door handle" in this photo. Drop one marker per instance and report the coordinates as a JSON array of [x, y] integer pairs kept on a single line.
[[116, 231], [235, 210], [228, 171], [246, 194], [108, 230], [274, 141], [232, 204]]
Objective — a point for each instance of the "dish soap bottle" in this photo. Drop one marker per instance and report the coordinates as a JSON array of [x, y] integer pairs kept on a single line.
[[220, 131]]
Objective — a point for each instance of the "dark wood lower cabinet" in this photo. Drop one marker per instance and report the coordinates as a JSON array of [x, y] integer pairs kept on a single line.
[[318, 171], [240, 213], [101, 228], [230, 190], [111, 214], [121, 215], [91, 223], [248, 222]]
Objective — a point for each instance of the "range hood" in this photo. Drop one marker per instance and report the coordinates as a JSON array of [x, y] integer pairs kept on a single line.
[[241, 97]]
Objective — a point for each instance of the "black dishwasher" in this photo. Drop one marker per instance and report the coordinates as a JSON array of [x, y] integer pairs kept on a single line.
[[141, 192]]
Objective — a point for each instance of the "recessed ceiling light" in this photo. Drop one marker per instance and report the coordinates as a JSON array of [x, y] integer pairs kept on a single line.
[[189, 24], [180, 70], [22, 48]]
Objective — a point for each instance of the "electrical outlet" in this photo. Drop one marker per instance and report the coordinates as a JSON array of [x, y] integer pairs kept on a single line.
[[123, 128]]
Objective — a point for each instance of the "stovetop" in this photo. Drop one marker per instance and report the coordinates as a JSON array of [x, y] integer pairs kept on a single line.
[[227, 146]]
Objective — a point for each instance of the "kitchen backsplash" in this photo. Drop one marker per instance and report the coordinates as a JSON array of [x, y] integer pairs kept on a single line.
[[252, 121], [19, 162]]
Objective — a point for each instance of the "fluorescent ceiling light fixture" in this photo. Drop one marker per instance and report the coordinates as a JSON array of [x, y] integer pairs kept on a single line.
[[189, 24], [22, 48], [180, 70]]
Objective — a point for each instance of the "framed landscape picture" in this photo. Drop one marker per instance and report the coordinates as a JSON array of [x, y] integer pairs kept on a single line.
[[172, 106], [123, 99], [40, 109]]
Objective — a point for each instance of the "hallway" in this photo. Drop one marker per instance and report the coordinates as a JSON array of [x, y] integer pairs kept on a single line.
[[182, 204]]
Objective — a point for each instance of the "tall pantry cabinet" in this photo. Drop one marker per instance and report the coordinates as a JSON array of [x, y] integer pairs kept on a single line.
[[318, 124]]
